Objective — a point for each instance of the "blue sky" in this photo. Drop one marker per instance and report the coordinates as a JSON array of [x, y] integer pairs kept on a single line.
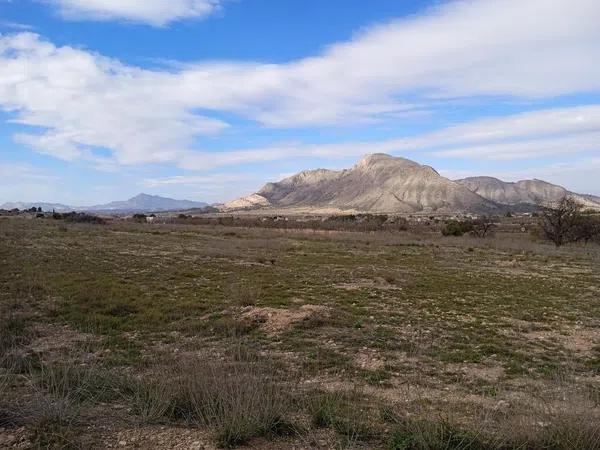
[[209, 99]]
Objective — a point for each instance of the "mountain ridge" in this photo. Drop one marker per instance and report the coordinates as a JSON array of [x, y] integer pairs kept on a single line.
[[534, 191], [380, 183], [139, 203]]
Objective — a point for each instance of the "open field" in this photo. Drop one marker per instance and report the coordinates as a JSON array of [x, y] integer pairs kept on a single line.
[[186, 336]]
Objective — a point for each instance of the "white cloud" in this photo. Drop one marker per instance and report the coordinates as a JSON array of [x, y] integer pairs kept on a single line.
[[533, 134], [527, 149], [82, 101], [531, 124], [154, 12]]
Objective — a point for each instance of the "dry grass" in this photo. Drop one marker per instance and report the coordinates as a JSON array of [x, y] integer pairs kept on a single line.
[[415, 341], [238, 400]]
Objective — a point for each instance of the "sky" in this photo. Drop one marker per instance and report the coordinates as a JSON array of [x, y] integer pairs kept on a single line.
[[209, 99]]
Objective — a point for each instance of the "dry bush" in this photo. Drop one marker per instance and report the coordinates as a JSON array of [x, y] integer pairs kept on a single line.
[[52, 421], [82, 383], [52, 415], [238, 400], [152, 398]]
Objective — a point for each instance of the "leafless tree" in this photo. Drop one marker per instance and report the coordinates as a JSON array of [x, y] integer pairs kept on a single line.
[[559, 221], [482, 227]]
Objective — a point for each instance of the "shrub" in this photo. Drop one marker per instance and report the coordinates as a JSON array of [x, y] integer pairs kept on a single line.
[[51, 421], [152, 398], [75, 217], [457, 227], [587, 229], [52, 415], [240, 401]]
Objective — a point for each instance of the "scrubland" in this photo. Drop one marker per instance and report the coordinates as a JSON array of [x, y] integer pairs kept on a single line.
[[197, 336]]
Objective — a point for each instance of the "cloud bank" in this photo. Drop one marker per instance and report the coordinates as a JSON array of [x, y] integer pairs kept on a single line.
[[83, 105]]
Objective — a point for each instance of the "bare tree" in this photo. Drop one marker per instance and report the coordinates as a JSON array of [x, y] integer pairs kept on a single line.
[[483, 226], [559, 221]]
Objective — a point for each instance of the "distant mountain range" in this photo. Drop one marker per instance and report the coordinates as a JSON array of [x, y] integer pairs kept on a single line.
[[382, 183], [139, 203], [378, 183]]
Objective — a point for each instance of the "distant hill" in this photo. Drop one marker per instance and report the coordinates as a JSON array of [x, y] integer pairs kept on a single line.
[[531, 192], [145, 202], [139, 203], [378, 183], [382, 183]]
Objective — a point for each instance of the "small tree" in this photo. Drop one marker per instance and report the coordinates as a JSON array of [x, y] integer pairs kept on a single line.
[[482, 227], [559, 222], [587, 229]]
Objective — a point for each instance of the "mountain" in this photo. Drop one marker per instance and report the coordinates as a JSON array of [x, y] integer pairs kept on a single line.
[[139, 203], [379, 183], [145, 202], [529, 192], [58, 207]]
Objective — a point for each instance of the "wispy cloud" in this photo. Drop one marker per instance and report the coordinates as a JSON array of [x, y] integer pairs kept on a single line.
[[195, 180], [25, 182], [16, 26], [153, 12], [534, 134], [528, 149], [11, 171]]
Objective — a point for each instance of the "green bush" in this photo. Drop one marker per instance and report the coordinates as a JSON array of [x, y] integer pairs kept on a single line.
[[457, 227]]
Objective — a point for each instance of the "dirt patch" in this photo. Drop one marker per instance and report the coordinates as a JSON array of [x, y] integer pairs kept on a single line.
[[377, 283], [54, 340], [478, 371], [274, 320], [582, 340], [368, 359], [161, 437]]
